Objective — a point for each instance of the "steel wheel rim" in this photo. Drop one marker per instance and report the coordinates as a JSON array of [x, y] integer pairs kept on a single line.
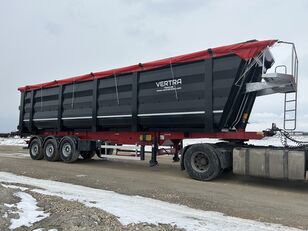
[[49, 150], [35, 149], [66, 149], [200, 161]]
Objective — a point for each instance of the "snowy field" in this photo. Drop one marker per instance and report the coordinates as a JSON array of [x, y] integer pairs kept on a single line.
[[128, 209], [16, 141]]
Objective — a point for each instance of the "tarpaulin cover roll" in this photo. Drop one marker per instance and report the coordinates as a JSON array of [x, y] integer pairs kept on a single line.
[[244, 50]]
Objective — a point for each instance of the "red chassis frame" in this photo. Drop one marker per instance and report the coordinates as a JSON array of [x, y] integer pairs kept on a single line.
[[134, 137]]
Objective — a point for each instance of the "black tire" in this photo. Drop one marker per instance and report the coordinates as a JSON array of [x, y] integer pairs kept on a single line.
[[201, 162], [51, 150], [35, 149], [87, 155], [68, 150]]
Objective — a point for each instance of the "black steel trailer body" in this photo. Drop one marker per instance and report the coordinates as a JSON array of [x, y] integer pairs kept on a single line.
[[191, 96], [206, 94]]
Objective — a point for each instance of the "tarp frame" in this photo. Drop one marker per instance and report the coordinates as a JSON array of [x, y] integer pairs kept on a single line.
[[245, 50]]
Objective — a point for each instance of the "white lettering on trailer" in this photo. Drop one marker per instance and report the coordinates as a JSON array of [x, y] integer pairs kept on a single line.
[[169, 85]]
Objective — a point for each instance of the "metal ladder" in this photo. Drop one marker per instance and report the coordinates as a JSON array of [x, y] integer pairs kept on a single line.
[[290, 111], [290, 103], [290, 98]]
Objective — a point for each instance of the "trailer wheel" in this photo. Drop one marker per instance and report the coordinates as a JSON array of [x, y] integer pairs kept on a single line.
[[201, 162], [68, 150], [35, 149], [51, 150], [87, 155]]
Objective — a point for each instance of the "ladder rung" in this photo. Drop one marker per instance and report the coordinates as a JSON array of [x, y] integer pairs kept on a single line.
[[290, 110]]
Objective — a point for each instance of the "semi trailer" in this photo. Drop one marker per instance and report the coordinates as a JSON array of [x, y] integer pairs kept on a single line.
[[205, 94]]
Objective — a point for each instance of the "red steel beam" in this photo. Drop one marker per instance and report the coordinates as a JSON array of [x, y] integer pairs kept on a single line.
[[134, 137]]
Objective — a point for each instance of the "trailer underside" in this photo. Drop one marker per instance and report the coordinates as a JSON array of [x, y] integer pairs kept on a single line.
[[202, 161]]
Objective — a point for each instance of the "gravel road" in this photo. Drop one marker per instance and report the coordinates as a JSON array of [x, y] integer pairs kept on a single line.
[[245, 197]]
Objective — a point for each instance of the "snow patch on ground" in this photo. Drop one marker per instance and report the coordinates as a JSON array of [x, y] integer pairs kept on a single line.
[[27, 211], [81, 175], [136, 209], [9, 205], [14, 187], [42, 229], [14, 141]]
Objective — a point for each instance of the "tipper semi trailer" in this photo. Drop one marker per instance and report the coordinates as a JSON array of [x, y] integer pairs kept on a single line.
[[206, 94]]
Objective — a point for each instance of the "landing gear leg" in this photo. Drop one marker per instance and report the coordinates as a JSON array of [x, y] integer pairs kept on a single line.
[[142, 152], [153, 162], [176, 151], [176, 157]]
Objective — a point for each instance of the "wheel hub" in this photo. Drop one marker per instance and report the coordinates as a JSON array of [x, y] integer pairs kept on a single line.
[[200, 162], [50, 150], [66, 149], [34, 149]]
